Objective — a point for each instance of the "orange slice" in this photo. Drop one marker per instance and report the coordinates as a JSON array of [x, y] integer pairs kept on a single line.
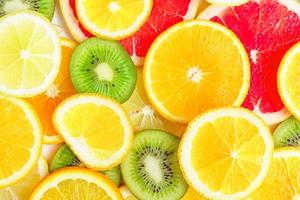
[[59, 90]]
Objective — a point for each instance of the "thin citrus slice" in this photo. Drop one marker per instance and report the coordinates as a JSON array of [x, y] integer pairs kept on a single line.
[[23, 189], [228, 2], [30, 54], [195, 66], [20, 140], [226, 153], [283, 179], [144, 116], [193, 194], [59, 90], [127, 195], [288, 80], [113, 19], [96, 128], [76, 183]]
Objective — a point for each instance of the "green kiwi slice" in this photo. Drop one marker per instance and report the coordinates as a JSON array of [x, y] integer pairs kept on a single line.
[[64, 157], [287, 133], [151, 168], [104, 67], [45, 7]]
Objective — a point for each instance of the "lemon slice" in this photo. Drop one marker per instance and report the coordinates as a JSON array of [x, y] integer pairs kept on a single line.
[[195, 66], [23, 189], [283, 179], [76, 183], [30, 54], [226, 153], [20, 140], [193, 194], [288, 80], [126, 194], [96, 128], [115, 19], [228, 2]]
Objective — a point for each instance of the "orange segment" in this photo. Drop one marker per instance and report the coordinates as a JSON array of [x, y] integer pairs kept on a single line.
[[96, 128], [195, 66], [192, 194], [62, 88], [224, 147]]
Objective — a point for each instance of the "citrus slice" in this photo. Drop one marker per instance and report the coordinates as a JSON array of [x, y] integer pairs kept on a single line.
[[113, 19], [59, 90], [193, 194], [23, 189], [195, 66], [288, 80], [20, 140], [127, 195], [283, 179], [228, 2], [30, 54], [267, 28], [226, 153], [76, 183], [144, 116], [96, 128]]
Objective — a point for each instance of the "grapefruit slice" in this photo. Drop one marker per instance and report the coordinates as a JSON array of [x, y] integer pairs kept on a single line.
[[267, 28], [165, 13]]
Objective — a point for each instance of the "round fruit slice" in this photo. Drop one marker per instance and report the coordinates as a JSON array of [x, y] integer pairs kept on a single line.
[[267, 28], [224, 147], [288, 80], [113, 19], [23, 189], [96, 128], [144, 116], [287, 133], [76, 183], [30, 54], [45, 7], [20, 140], [127, 195], [283, 178], [195, 66], [193, 194], [104, 67], [228, 2], [59, 90], [151, 169]]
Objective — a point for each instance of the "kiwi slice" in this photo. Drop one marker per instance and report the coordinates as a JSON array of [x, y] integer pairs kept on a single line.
[[151, 169], [45, 7], [104, 67], [64, 157], [287, 133]]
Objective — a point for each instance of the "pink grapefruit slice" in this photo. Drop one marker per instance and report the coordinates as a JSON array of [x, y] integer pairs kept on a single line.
[[267, 28], [165, 13]]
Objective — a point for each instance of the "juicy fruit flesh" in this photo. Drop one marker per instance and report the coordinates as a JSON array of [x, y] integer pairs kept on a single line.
[[267, 29], [232, 156], [287, 133], [15, 5], [192, 70]]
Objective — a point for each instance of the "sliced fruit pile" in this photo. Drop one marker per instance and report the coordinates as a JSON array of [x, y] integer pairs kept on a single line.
[[150, 103]]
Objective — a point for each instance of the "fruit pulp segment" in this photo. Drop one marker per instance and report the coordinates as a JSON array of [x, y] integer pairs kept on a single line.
[[113, 15], [224, 154], [75, 189], [16, 138], [292, 82], [196, 75], [267, 28], [164, 14], [101, 130], [62, 88]]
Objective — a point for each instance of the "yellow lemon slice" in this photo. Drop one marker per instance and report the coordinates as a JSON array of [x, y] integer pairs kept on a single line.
[[126, 194], [24, 187], [226, 153], [76, 183], [30, 54], [113, 19], [195, 66], [20, 140], [96, 128]]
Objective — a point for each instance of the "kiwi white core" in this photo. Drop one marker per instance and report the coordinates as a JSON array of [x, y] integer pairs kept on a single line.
[[15, 5], [52, 91], [114, 6], [104, 72], [152, 167], [194, 74]]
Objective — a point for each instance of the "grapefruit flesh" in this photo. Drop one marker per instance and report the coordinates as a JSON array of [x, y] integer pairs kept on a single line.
[[267, 28], [165, 13]]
